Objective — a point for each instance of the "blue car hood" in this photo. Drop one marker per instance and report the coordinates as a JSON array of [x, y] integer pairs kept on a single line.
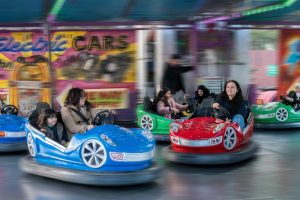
[[124, 138], [12, 123]]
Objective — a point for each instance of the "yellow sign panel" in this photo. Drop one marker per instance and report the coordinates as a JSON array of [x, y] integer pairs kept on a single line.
[[114, 98], [3, 84]]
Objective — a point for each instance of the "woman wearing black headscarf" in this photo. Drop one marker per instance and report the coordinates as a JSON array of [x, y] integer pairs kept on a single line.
[[201, 93]]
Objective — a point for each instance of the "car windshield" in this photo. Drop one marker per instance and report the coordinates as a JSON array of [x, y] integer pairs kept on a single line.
[[202, 110]]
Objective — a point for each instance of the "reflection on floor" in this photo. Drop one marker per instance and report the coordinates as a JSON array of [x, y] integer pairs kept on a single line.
[[272, 174]]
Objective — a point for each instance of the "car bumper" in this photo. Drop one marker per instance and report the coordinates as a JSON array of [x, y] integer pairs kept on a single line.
[[241, 154], [13, 144], [277, 125], [29, 165], [197, 143]]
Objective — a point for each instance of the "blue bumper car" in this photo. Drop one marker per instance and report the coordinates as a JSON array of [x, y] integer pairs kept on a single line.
[[12, 130], [107, 155]]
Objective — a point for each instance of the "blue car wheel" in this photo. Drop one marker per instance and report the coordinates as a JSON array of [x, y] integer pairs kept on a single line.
[[93, 153], [31, 145]]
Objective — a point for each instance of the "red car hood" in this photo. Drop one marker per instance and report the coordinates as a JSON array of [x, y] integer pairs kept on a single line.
[[198, 128]]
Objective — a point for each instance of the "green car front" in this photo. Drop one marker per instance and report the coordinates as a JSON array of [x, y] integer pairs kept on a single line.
[[157, 124], [275, 115]]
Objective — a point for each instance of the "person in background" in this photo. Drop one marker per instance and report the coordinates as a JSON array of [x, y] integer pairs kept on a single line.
[[172, 77], [48, 124], [201, 93], [293, 98], [166, 105], [232, 99]]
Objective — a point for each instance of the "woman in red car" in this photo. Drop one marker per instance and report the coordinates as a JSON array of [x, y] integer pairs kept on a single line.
[[232, 99]]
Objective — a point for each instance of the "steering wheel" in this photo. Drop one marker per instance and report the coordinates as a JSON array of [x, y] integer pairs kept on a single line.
[[191, 107], [104, 117], [221, 113], [10, 109]]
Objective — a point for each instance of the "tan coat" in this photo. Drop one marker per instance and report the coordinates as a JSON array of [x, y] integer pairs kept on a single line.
[[73, 123]]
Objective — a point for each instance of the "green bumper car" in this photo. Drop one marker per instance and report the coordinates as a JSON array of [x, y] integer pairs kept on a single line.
[[148, 118], [157, 124], [275, 115]]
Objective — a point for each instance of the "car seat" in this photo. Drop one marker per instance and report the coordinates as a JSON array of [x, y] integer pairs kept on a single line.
[[60, 120], [1, 104], [148, 104], [248, 116], [40, 106]]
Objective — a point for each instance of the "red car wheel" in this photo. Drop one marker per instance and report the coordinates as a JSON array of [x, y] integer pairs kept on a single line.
[[230, 138]]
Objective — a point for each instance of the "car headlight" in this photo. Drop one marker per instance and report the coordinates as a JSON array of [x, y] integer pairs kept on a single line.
[[219, 127], [175, 127], [2, 134], [216, 140], [175, 140], [107, 139], [147, 134]]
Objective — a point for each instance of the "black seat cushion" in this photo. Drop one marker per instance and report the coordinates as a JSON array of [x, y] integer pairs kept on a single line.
[[148, 104]]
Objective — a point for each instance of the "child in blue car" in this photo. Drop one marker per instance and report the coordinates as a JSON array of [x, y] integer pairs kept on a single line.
[[48, 124]]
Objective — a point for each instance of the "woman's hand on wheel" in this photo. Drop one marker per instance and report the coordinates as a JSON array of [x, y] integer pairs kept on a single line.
[[216, 105], [176, 110], [89, 127], [228, 120]]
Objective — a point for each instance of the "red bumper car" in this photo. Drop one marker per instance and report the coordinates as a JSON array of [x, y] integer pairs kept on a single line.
[[206, 139]]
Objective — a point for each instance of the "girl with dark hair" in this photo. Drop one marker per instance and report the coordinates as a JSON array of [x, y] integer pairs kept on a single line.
[[165, 104], [47, 122], [232, 99], [201, 93]]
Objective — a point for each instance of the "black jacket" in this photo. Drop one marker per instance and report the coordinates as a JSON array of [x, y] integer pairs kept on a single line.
[[234, 108], [296, 100]]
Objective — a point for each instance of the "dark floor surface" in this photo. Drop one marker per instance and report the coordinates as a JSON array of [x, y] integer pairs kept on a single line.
[[272, 174]]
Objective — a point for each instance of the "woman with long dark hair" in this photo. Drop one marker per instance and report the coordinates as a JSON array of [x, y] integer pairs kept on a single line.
[[232, 99], [77, 113]]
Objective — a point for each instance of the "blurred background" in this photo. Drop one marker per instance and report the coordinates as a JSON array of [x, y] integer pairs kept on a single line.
[[117, 50]]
